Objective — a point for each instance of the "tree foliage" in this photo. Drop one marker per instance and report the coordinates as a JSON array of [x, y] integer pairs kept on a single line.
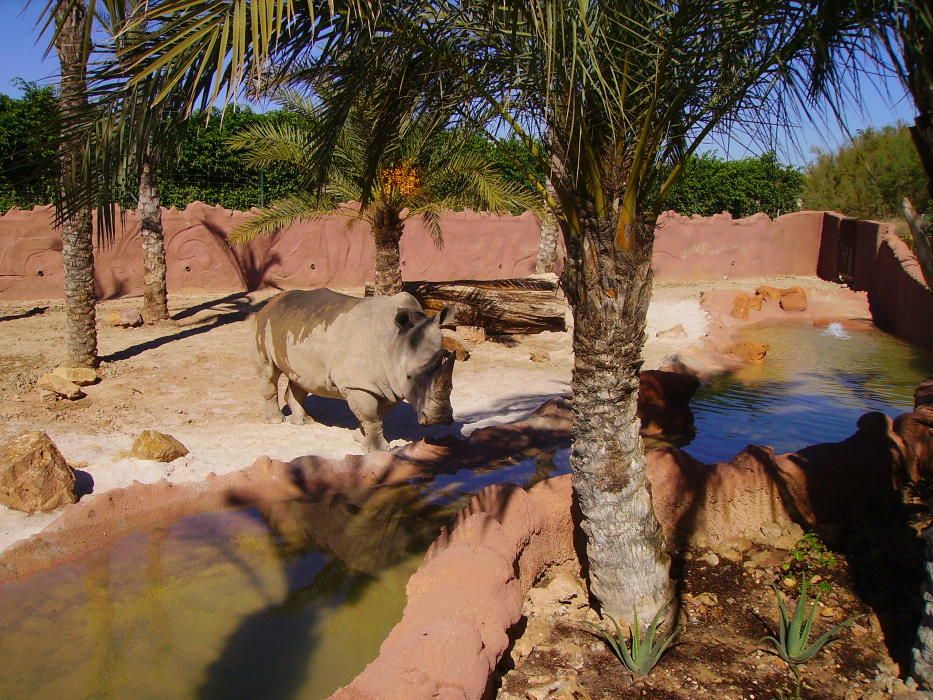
[[868, 177], [28, 152], [710, 185]]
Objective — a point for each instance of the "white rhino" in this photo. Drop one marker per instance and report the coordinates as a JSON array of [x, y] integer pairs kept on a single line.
[[374, 352]]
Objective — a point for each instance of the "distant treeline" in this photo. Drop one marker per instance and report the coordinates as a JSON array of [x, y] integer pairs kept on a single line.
[[202, 168], [869, 177]]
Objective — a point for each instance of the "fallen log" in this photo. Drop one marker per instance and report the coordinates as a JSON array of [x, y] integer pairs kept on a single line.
[[501, 307]]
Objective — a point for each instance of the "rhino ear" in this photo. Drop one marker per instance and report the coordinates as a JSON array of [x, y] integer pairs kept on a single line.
[[403, 320], [445, 318]]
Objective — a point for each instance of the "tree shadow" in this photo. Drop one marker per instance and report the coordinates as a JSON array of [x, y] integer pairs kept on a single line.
[[36, 311], [234, 308]]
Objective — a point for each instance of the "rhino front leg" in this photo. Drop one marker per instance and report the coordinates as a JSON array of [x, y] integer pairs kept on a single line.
[[366, 408], [296, 398]]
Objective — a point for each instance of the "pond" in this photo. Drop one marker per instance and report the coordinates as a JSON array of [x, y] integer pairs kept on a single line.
[[812, 387], [273, 601]]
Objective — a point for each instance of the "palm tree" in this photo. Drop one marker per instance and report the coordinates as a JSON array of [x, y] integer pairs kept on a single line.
[[423, 170], [114, 15], [626, 91], [72, 45]]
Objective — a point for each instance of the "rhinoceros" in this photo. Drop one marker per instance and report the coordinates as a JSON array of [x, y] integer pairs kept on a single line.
[[374, 353]]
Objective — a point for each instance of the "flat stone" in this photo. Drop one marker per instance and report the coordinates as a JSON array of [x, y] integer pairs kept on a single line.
[[151, 444], [674, 332], [472, 334], [772, 530], [130, 318], [765, 559], [62, 387], [81, 376], [33, 474]]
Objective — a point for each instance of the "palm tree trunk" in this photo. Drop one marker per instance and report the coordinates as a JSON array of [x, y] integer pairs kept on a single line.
[[155, 295], [77, 243], [547, 248], [388, 275], [609, 291]]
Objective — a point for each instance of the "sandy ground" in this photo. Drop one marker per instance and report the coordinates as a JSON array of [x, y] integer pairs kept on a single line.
[[192, 377]]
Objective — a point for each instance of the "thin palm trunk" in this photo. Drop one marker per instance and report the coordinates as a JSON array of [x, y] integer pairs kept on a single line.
[[387, 231], [77, 243], [547, 248], [610, 291], [155, 295]]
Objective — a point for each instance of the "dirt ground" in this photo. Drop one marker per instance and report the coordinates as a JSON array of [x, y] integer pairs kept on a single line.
[[192, 377]]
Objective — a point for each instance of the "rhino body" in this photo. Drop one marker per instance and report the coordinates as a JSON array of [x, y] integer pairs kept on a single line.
[[374, 353]]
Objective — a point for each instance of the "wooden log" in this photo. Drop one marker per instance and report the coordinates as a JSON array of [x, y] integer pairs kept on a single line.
[[501, 307]]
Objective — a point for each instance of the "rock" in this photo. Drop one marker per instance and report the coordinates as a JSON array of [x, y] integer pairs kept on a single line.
[[664, 402], [62, 387], [916, 430], [130, 318], [711, 558], [541, 356], [768, 293], [755, 302], [472, 334], [793, 530], [151, 444], [794, 299], [708, 599], [749, 352], [33, 474], [828, 611], [765, 559], [674, 332], [453, 345], [740, 306], [81, 376], [771, 531], [785, 542]]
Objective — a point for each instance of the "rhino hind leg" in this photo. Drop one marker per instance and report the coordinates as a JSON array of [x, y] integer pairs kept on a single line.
[[269, 388], [368, 412], [295, 397]]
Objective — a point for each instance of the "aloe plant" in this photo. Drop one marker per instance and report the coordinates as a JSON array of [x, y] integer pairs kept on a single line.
[[640, 653], [793, 641]]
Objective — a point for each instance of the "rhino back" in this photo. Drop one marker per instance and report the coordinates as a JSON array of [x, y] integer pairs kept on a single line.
[[291, 318]]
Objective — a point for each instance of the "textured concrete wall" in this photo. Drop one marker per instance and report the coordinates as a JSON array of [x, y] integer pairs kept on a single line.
[[333, 252], [700, 248], [339, 251]]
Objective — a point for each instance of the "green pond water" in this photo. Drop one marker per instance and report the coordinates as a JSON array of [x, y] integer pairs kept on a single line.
[[292, 600], [288, 600]]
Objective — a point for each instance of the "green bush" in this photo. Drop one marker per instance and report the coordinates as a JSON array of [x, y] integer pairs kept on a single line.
[[28, 155], [709, 185], [869, 177]]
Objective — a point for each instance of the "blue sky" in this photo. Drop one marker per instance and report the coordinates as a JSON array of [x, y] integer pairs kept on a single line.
[[21, 56]]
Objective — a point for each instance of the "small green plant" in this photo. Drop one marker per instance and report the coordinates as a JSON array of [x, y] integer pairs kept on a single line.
[[793, 643], [807, 557], [640, 653]]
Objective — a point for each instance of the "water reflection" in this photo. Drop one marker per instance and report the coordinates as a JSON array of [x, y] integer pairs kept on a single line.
[[270, 600], [812, 388]]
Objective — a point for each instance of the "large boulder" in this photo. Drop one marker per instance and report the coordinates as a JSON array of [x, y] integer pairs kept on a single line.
[[793, 299], [33, 474], [831, 484], [664, 402], [59, 386], [151, 444], [79, 376], [740, 306], [916, 430]]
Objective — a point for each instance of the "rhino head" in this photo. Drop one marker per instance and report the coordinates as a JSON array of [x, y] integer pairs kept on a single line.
[[424, 368]]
